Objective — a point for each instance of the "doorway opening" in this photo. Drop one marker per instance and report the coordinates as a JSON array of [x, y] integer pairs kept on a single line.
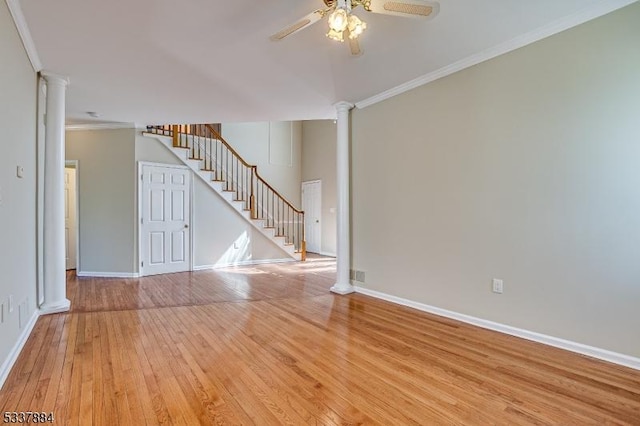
[[71, 214]]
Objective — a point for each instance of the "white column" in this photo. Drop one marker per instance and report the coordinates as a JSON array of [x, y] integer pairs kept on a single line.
[[55, 289], [343, 258]]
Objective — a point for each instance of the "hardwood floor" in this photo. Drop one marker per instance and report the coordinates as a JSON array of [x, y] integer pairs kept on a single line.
[[270, 345]]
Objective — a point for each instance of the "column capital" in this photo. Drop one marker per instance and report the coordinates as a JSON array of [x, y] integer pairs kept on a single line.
[[343, 106], [53, 78]]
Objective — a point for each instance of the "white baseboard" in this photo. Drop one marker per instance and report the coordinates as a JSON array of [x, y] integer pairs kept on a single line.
[[241, 263], [325, 253], [603, 354], [7, 365], [107, 274]]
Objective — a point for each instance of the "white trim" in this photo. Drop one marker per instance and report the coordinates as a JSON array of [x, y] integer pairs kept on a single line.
[[192, 213], [595, 11], [98, 126], [25, 34], [603, 354], [7, 365], [241, 263], [40, 182], [325, 253], [107, 274]]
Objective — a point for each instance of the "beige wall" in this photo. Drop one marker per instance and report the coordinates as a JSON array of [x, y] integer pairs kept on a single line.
[[319, 163], [525, 168], [221, 236], [107, 199], [18, 266], [276, 148]]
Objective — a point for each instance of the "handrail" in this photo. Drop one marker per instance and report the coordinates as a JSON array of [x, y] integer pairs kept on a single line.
[[206, 144], [221, 139]]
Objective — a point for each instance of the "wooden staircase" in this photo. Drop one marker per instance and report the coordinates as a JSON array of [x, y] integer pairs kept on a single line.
[[203, 150]]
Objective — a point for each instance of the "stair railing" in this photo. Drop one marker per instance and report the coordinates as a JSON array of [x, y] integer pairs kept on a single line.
[[204, 143]]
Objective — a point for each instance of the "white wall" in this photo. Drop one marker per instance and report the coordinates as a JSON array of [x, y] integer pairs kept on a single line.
[[319, 163], [18, 266], [107, 199], [275, 147], [221, 236], [525, 168]]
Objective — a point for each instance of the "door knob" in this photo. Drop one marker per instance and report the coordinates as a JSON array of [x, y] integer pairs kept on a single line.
[[186, 226], [317, 221]]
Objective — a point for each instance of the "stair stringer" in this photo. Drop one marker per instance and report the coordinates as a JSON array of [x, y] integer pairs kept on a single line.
[[196, 165]]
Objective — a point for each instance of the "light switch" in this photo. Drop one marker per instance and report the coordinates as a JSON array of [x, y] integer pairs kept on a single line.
[[20, 171]]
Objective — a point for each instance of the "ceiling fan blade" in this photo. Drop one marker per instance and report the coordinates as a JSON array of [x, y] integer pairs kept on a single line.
[[406, 8], [354, 47], [301, 24]]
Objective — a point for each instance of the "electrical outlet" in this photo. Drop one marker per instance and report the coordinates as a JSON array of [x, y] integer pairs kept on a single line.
[[497, 286], [360, 276]]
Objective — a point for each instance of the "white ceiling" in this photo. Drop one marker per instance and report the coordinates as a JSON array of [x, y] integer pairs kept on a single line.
[[162, 61]]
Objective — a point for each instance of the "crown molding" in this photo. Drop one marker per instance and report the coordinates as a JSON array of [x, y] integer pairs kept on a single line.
[[588, 14], [98, 126], [25, 34]]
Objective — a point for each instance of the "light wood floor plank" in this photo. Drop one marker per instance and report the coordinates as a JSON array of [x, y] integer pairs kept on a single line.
[[269, 345]]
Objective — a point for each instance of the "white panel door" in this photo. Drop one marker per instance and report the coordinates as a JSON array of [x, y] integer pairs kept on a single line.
[[70, 217], [312, 206], [164, 222]]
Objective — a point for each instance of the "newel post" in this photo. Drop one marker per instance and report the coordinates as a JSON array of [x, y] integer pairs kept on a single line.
[[252, 197]]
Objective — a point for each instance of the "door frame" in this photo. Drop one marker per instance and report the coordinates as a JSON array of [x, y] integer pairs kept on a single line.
[[141, 165], [318, 181], [40, 137], [74, 164]]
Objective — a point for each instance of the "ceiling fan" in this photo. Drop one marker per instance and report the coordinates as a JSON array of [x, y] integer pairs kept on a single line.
[[342, 22]]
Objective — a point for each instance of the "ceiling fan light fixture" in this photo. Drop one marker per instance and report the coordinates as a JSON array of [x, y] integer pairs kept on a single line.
[[335, 35], [338, 20], [356, 26]]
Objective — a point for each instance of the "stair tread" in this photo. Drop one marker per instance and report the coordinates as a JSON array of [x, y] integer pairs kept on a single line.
[[278, 237]]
